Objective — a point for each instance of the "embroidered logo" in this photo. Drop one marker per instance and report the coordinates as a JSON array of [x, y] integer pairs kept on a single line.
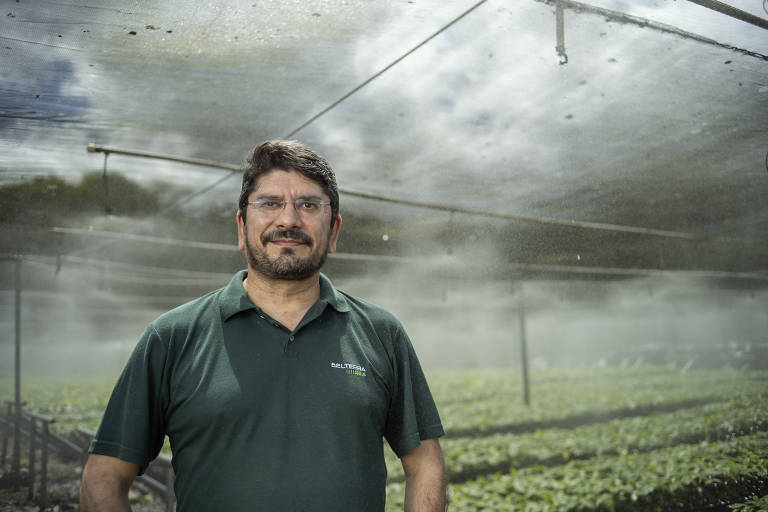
[[350, 369]]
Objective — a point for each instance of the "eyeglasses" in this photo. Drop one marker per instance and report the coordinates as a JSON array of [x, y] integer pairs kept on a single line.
[[272, 206]]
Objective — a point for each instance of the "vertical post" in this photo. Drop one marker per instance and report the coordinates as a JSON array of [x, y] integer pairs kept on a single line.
[[44, 468], [169, 496], [32, 448], [524, 353], [16, 469], [6, 433]]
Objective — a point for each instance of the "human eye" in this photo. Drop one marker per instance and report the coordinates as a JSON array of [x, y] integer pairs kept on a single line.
[[268, 204], [308, 205]]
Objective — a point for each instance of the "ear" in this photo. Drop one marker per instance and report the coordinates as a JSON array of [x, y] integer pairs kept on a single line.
[[240, 231], [334, 234]]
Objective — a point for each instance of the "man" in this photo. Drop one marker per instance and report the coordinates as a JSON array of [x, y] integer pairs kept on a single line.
[[276, 390]]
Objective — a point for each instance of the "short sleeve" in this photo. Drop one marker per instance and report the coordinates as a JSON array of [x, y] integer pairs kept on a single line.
[[412, 415], [133, 425]]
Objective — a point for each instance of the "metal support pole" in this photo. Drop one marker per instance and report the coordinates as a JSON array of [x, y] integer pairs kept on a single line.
[[16, 469], [87, 435], [44, 467], [32, 448], [169, 496], [524, 354], [7, 429]]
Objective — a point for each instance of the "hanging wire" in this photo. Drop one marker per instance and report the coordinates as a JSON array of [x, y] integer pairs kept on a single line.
[[107, 209], [560, 29]]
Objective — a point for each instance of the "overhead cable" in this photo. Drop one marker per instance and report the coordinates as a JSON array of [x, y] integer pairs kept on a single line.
[[382, 71]]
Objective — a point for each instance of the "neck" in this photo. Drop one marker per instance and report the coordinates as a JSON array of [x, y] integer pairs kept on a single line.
[[282, 293]]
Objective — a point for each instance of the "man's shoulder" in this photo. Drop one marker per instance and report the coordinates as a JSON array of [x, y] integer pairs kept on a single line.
[[191, 312], [370, 312], [368, 309]]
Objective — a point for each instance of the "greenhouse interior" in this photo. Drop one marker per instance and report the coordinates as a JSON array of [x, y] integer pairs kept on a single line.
[[564, 203]]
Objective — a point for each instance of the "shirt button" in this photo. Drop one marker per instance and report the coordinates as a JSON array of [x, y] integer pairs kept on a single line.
[[291, 338]]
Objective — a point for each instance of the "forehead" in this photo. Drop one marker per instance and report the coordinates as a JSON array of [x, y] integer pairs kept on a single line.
[[287, 183]]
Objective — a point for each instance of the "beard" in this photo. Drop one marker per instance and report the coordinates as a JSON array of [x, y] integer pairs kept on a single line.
[[286, 265]]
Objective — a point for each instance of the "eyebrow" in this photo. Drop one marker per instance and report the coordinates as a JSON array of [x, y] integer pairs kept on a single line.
[[280, 198]]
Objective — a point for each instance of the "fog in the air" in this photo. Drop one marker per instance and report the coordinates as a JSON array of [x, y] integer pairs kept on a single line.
[[81, 320]]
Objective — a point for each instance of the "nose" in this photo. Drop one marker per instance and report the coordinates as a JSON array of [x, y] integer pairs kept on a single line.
[[288, 217]]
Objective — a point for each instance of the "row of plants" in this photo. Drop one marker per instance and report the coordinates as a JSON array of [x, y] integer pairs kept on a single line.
[[451, 386], [757, 504], [682, 478], [576, 401], [470, 400], [582, 402], [72, 402], [470, 457]]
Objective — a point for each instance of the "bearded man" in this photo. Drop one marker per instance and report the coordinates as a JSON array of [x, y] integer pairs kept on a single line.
[[276, 391]]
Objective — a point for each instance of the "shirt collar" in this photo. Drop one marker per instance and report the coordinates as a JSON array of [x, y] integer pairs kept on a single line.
[[234, 299], [331, 296]]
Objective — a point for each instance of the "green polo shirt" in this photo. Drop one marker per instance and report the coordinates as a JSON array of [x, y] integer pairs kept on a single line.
[[264, 418]]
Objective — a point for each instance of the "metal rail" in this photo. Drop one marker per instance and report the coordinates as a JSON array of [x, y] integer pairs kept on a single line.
[[98, 148], [733, 12], [158, 477], [644, 22], [448, 262], [95, 148]]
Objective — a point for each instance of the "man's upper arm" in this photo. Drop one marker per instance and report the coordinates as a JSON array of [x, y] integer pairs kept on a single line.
[[103, 466], [426, 456], [425, 478], [106, 481]]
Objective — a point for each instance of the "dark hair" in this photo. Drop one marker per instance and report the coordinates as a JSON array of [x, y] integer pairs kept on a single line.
[[288, 155]]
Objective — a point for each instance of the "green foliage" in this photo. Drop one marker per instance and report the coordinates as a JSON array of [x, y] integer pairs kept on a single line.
[[473, 456], [685, 477], [125, 196], [72, 402], [495, 404], [646, 439], [45, 200], [754, 505]]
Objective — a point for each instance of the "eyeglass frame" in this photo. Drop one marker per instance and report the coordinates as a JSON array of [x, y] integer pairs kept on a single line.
[[256, 203]]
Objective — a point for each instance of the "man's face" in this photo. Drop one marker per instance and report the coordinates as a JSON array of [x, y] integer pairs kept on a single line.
[[287, 244]]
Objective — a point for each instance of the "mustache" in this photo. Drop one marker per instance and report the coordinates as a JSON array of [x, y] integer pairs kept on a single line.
[[286, 234]]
